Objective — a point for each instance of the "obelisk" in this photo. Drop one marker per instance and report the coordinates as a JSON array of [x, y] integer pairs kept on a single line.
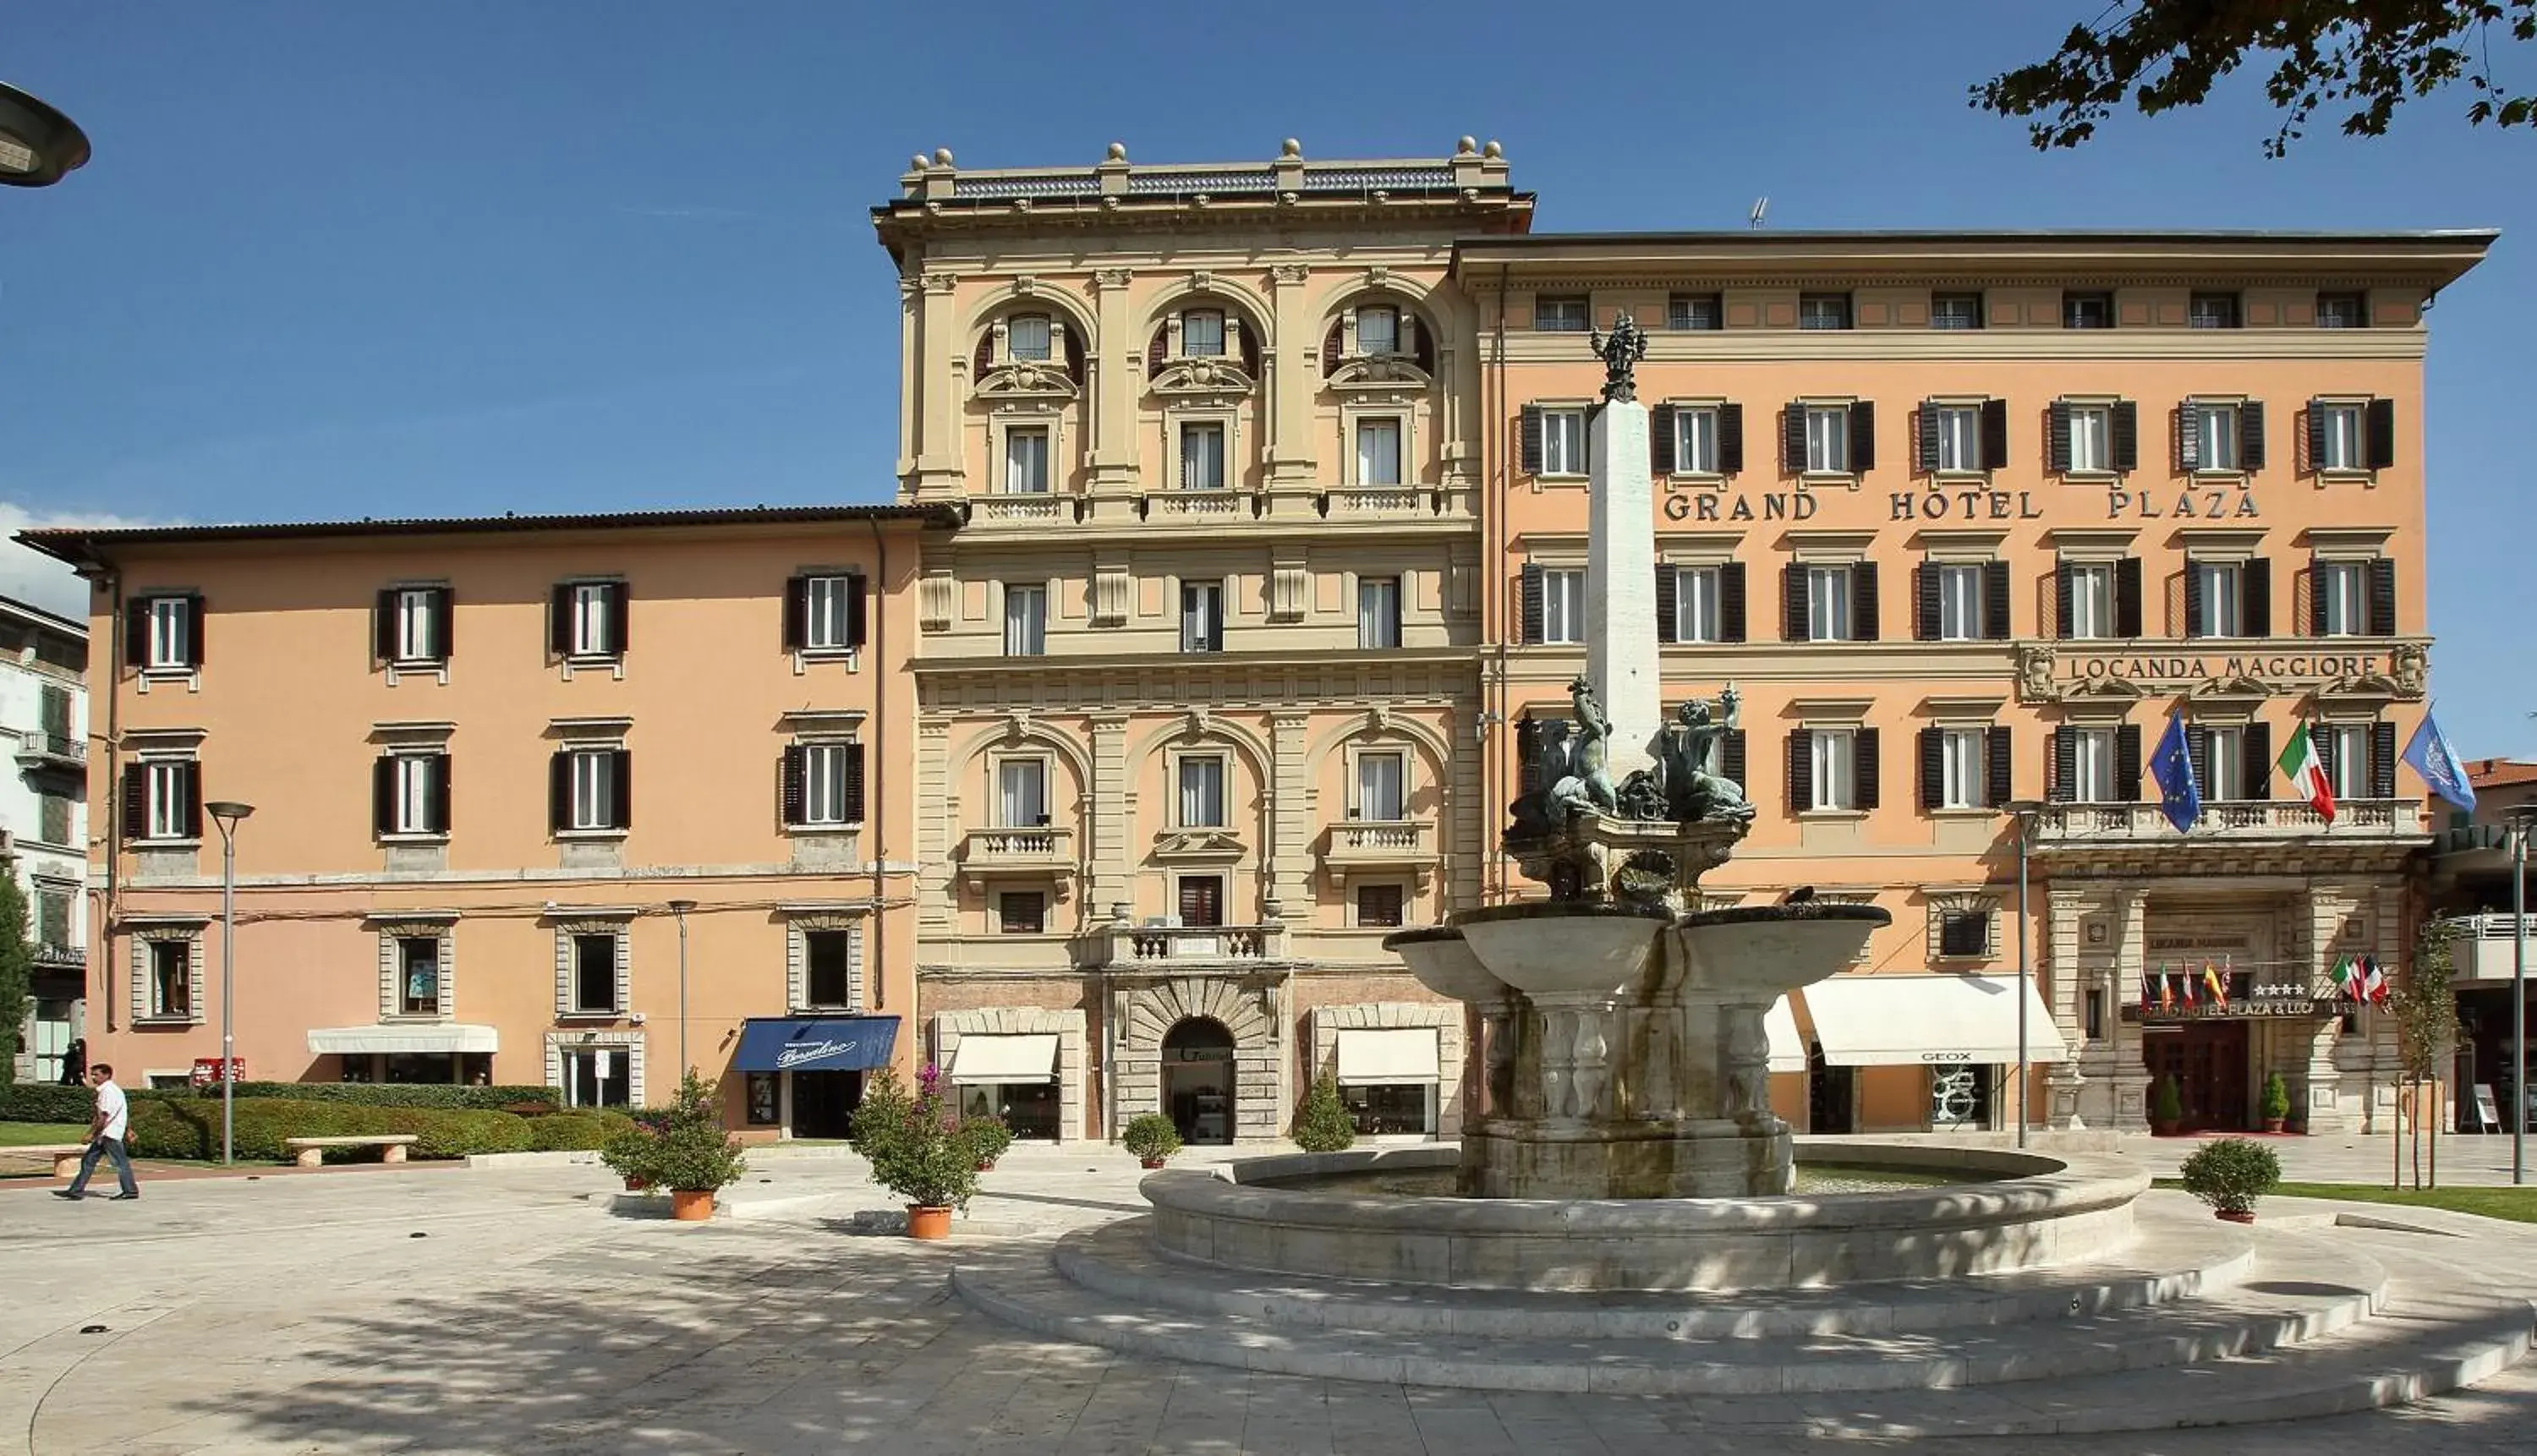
[[1621, 557]]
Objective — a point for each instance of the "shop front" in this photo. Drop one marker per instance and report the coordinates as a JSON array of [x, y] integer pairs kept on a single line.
[[1012, 1076], [1934, 1053], [805, 1074], [1388, 1080], [447, 1053]]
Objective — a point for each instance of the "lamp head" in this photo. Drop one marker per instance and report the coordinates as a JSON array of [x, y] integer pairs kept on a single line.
[[228, 811], [681, 906], [2024, 808]]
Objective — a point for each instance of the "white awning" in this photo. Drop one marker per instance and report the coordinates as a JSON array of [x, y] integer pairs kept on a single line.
[[1393, 1054], [1027, 1057], [438, 1036], [1875, 1021], [1788, 1048]]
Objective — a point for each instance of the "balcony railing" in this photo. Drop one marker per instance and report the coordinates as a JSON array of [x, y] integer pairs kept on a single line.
[[1022, 508], [2067, 825], [1044, 850], [1132, 947], [52, 749], [1382, 502], [48, 953], [1380, 845], [1210, 505], [2482, 946]]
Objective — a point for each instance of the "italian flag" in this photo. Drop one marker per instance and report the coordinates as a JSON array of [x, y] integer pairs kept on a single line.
[[2306, 775]]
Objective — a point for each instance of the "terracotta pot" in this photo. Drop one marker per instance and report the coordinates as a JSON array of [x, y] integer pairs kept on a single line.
[[2275, 1124], [928, 1222], [691, 1205], [2234, 1215], [1153, 1162], [637, 1185], [2163, 1129], [987, 1167]]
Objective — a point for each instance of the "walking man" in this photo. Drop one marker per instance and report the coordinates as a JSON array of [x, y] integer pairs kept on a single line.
[[106, 1127]]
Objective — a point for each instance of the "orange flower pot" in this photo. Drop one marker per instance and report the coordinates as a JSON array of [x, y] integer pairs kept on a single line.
[[691, 1206], [928, 1222], [1151, 1161]]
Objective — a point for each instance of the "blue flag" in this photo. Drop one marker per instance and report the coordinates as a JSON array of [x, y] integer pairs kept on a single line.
[[2430, 753], [2171, 766]]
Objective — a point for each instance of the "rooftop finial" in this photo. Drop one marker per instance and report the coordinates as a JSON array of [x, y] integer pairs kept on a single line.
[[1465, 147], [916, 164], [1493, 152], [1291, 147], [941, 157], [1117, 151]]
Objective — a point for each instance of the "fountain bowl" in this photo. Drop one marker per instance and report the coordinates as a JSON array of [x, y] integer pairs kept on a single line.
[[1443, 962], [1563, 949], [1763, 951]]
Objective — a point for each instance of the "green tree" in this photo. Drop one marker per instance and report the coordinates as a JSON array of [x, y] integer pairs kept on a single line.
[[2369, 56], [17, 973], [1322, 1124], [2424, 1008]]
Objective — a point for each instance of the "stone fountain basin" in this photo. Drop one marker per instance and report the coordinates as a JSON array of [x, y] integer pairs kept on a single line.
[[1763, 951], [1561, 949], [2042, 1209], [1443, 962]]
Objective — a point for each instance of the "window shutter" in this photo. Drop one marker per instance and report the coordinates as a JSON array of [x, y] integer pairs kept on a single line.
[[2192, 599], [618, 618], [854, 756], [2383, 760], [789, 786], [1730, 601], [2127, 763], [1863, 761], [2128, 597], [136, 632], [1863, 601], [2382, 597], [559, 792], [2316, 434], [2126, 433], [857, 595], [1792, 603], [1999, 767], [620, 770], [1668, 579], [2250, 435], [383, 628], [1730, 439], [2316, 571], [444, 621], [1331, 345], [1530, 436], [2058, 443], [440, 814], [1801, 771], [1532, 601], [559, 621], [1527, 755], [194, 631], [1995, 601], [1158, 350], [1862, 437], [2258, 577], [1933, 768], [192, 776], [1925, 601], [1792, 438], [1927, 444], [383, 794], [2197, 747], [2323, 743], [2381, 426], [1994, 434], [2189, 437], [2065, 593], [136, 800], [2256, 769], [2065, 766], [797, 612], [984, 360], [1730, 757], [1660, 440]]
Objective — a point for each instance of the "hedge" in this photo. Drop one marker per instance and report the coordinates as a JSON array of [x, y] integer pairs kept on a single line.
[[577, 1131], [40, 1102], [167, 1127], [402, 1093]]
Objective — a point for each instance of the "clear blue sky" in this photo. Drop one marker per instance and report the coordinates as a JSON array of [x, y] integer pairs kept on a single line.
[[346, 260]]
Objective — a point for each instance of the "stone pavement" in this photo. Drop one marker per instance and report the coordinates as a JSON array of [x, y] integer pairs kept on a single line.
[[302, 1315]]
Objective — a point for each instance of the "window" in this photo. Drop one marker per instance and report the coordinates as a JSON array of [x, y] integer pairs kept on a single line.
[[2092, 765], [2342, 311], [1022, 913], [2215, 436], [594, 973], [1963, 935], [1962, 783], [2212, 312], [2347, 760], [1828, 603], [2220, 590], [1027, 461], [1378, 612], [1695, 604], [417, 974], [1378, 330], [1960, 601], [828, 773], [765, 1092], [2339, 437], [2087, 310], [413, 794], [1563, 605], [1827, 439], [1958, 431], [593, 628], [1823, 311], [1201, 900], [2342, 598], [1021, 793], [1201, 333], [1202, 616], [1380, 788], [2091, 612], [175, 803], [1559, 315], [171, 978], [828, 604], [54, 819], [1379, 906], [597, 1076], [1026, 335], [416, 615], [1025, 621], [1203, 457], [2091, 438], [54, 919], [2222, 774], [591, 789], [169, 625], [1378, 452], [1201, 795], [1694, 312], [829, 968], [1695, 440], [1563, 442], [1832, 758], [1391, 1109], [1955, 312]]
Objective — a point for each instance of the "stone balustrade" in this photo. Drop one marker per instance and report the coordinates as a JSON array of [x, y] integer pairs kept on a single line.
[[2072, 825]]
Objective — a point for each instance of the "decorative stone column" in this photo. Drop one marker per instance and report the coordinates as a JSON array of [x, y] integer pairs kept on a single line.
[[1620, 585], [2130, 908]]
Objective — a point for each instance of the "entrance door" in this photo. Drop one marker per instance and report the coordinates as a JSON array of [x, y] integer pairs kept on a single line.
[[2208, 1060], [824, 1103], [1197, 1079], [1830, 1095]]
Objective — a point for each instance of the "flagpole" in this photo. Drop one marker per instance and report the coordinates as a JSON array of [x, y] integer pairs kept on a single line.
[[2519, 822]]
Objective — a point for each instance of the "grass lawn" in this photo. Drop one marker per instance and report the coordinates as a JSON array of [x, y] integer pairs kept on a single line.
[[37, 1134], [2518, 1205]]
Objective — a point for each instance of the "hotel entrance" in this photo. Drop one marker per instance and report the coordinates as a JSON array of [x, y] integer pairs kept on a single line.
[[2208, 1061], [1198, 1080]]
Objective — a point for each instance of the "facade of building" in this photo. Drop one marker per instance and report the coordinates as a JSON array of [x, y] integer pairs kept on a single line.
[[1966, 519], [43, 816], [1196, 679], [2473, 862], [443, 731]]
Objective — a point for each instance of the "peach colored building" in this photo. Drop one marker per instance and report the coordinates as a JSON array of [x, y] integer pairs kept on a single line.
[[1966, 518], [536, 800]]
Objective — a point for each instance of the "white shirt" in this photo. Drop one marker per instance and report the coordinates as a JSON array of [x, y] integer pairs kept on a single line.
[[117, 1112]]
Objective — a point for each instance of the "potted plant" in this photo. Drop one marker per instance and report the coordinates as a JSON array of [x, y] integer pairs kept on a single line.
[[917, 1148], [1322, 1124], [1152, 1138], [989, 1137], [2230, 1175], [2275, 1103], [629, 1155], [2166, 1107], [691, 1154]]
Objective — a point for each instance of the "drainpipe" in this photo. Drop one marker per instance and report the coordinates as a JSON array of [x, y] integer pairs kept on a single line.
[[879, 761], [101, 928]]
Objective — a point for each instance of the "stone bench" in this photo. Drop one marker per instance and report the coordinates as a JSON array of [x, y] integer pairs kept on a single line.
[[66, 1156], [310, 1152]]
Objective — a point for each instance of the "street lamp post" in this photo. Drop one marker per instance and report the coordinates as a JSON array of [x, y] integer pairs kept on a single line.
[[38, 145], [680, 908], [2522, 817], [227, 813], [2025, 810]]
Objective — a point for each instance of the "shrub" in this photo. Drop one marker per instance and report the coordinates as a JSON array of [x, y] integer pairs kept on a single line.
[[988, 1137], [2231, 1173], [2275, 1103], [576, 1132], [2166, 1103], [190, 1127], [525, 1100], [682, 1147], [1151, 1136], [37, 1102], [1323, 1125], [916, 1145]]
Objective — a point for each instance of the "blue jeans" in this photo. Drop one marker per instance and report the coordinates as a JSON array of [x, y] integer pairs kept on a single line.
[[106, 1147]]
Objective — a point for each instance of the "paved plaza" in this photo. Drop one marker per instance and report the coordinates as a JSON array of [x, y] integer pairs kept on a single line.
[[440, 1309]]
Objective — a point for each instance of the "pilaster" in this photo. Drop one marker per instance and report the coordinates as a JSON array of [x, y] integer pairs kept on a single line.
[[1286, 862], [941, 379], [1112, 864], [934, 818], [1115, 378], [1294, 369]]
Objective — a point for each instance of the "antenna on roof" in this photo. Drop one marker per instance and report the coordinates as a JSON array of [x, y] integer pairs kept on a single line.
[[1761, 205]]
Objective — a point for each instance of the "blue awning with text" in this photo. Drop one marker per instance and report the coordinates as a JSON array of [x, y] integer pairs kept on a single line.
[[814, 1043]]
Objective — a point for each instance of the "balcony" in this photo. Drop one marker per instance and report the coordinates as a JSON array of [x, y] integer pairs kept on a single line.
[[1388, 846], [1046, 851], [1208, 507], [52, 751], [1184, 947], [61, 957], [2079, 826], [1023, 510], [2482, 946]]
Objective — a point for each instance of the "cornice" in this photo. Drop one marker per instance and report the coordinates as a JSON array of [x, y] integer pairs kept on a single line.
[[1209, 664], [1924, 346]]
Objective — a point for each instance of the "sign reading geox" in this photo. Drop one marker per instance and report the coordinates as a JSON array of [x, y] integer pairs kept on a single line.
[[814, 1043]]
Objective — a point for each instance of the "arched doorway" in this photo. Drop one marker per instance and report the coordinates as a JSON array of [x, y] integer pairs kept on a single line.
[[1197, 1079]]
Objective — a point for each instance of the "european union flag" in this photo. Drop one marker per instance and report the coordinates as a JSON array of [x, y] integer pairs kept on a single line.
[[2173, 767]]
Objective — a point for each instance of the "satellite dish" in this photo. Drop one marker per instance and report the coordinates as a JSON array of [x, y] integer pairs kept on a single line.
[[1761, 205]]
